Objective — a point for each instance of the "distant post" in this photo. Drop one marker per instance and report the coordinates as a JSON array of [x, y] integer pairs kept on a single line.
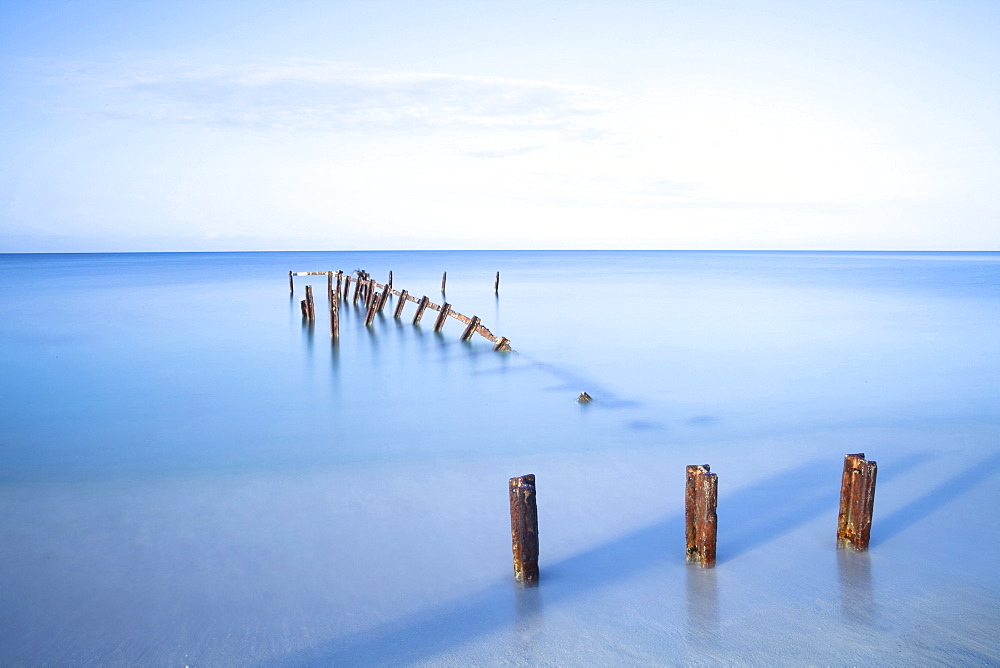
[[401, 304], [524, 528], [444, 280], [857, 500], [700, 501], [496, 284]]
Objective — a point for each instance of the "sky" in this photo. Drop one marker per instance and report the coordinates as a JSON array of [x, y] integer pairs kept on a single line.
[[203, 126]]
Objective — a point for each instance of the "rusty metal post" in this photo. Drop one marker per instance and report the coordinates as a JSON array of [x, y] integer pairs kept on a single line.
[[329, 287], [390, 279], [291, 283], [421, 307], [496, 284], [857, 499], [442, 316], [335, 320], [401, 304], [471, 329], [700, 502], [305, 309], [524, 528], [347, 288], [503, 345], [444, 279]]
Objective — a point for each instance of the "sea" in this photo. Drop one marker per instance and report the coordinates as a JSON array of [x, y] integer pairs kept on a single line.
[[192, 473]]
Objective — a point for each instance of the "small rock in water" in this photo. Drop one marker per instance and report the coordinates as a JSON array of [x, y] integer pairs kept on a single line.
[[584, 398]]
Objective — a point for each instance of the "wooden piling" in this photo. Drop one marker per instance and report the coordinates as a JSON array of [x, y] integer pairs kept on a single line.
[[700, 501], [503, 345], [372, 310], [357, 289], [291, 283], [329, 287], [524, 528], [857, 499], [442, 317], [347, 288], [384, 298], [496, 284], [335, 319], [390, 280], [305, 309], [421, 307], [309, 302], [444, 279], [471, 329], [402, 302]]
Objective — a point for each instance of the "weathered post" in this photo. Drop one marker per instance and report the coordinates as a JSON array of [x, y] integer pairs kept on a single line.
[[496, 284], [335, 319], [421, 307], [329, 287], [700, 501], [503, 345], [357, 289], [390, 279], [305, 308], [347, 288], [444, 279], [372, 310], [471, 329], [442, 316], [385, 297], [400, 305], [291, 283], [310, 303], [857, 499], [524, 528]]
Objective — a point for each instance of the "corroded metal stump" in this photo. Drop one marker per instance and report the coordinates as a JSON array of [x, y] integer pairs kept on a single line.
[[524, 529], [857, 499], [701, 496]]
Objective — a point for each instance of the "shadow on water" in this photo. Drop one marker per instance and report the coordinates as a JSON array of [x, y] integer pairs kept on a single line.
[[444, 627], [779, 504], [962, 482]]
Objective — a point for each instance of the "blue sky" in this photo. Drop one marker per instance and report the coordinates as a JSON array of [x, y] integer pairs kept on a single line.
[[385, 125]]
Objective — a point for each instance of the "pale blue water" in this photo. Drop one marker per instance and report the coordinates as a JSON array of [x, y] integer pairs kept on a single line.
[[192, 474]]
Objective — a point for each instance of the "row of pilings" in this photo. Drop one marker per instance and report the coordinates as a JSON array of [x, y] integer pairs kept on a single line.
[[701, 494], [374, 296]]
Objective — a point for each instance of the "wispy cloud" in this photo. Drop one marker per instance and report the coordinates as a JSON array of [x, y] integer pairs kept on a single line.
[[321, 95]]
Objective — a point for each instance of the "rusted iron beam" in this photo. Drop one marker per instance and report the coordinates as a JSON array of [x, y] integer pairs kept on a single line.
[[442, 316], [857, 500], [399, 306], [471, 329], [421, 307], [524, 528], [700, 500]]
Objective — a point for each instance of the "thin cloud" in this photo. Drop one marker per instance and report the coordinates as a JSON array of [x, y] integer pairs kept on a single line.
[[317, 95]]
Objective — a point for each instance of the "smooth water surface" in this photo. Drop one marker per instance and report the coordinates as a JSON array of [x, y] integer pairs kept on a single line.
[[191, 474]]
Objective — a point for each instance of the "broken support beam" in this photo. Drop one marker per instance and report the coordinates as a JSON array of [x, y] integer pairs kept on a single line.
[[524, 528], [857, 499], [700, 501]]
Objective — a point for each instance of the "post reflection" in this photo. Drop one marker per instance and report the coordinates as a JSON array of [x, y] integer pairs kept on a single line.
[[854, 570], [529, 621], [702, 605]]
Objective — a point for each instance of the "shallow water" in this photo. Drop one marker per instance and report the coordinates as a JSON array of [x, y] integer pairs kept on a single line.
[[192, 474]]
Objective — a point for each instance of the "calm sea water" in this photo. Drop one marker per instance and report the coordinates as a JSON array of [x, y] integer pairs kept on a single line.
[[191, 473]]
